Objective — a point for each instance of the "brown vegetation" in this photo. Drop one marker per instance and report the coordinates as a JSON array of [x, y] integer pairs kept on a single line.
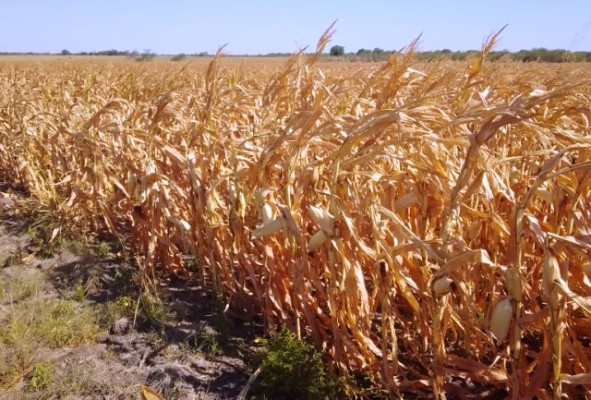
[[391, 212]]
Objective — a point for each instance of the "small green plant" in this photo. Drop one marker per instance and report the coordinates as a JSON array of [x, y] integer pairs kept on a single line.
[[79, 292], [45, 232], [102, 249], [151, 311], [33, 322], [207, 342], [122, 306], [63, 323], [54, 322], [154, 310], [42, 377], [292, 369], [17, 349], [75, 379]]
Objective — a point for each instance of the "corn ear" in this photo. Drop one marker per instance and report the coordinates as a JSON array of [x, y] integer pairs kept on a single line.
[[317, 240], [323, 219], [500, 319], [269, 228], [443, 286], [267, 213]]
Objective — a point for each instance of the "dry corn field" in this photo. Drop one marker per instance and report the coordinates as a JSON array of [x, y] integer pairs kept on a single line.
[[429, 225]]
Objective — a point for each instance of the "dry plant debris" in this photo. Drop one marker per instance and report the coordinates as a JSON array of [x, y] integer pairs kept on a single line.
[[427, 224]]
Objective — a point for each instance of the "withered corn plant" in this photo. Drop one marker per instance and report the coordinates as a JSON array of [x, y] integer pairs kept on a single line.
[[428, 224]]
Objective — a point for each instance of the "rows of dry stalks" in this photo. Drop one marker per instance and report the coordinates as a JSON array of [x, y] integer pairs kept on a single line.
[[387, 211]]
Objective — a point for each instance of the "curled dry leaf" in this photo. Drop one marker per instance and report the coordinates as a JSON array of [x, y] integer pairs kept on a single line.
[[149, 394]]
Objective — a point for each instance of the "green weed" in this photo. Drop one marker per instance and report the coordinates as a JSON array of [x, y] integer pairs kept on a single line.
[[21, 286], [292, 369], [64, 323], [34, 322], [79, 292], [42, 377], [207, 342], [102, 249], [122, 306], [154, 311]]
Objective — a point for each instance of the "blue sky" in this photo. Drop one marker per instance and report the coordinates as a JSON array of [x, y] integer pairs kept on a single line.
[[262, 26]]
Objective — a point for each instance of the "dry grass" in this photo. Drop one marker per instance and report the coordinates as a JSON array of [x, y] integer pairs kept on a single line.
[[439, 190], [32, 323]]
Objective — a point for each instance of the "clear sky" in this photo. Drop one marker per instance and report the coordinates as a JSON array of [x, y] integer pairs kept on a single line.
[[265, 26]]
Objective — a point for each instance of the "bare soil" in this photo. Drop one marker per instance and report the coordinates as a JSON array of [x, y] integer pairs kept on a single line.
[[196, 352]]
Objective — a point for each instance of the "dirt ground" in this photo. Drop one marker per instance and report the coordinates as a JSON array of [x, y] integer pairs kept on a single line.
[[184, 348]]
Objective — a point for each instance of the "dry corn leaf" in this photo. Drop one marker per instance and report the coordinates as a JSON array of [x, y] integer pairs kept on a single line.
[[427, 166], [477, 371], [578, 379], [149, 394]]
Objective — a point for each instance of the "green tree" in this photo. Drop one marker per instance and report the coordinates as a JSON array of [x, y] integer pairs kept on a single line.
[[65, 52], [337, 51], [178, 57]]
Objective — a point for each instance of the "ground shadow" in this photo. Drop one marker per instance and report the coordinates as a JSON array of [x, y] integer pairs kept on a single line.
[[196, 322]]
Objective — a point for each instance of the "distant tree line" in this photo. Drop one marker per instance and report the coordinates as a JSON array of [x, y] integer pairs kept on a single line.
[[376, 54], [113, 52], [538, 54], [128, 53]]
